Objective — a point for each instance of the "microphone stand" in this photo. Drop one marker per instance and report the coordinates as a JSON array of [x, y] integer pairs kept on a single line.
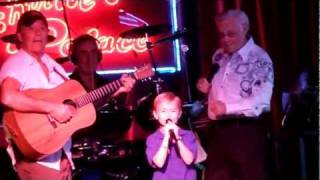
[[186, 75], [186, 72], [158, 79]]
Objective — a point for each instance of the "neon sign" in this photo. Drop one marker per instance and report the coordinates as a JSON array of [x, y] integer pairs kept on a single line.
[[109, 44], [99, 19]]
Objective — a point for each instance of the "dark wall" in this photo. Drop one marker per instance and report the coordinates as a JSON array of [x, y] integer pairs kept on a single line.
[[289, 34]]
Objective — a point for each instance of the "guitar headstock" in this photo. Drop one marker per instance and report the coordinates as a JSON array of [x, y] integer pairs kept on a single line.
[[143, 72]]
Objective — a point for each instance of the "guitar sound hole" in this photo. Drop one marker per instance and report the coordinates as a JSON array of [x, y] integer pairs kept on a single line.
[[70, 102]]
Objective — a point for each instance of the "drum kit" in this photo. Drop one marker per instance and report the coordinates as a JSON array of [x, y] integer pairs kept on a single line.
[[89, 150]]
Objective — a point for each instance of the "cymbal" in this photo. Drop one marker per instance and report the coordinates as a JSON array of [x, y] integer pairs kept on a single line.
[[12, 38], [172, 37], [149, 30]]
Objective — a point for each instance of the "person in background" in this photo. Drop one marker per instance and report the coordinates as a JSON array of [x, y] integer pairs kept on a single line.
[[30, 68], [298, 138], [170, 150], [238, 95], [86, 56], [299, 103]]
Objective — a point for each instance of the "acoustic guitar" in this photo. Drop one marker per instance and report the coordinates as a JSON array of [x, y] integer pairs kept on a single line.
[[38, 135]]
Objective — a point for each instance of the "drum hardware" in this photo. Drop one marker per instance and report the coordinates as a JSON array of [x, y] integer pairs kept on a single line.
[[176, 35], [158, 83], [127, 173], [198, 107], [117, 110], [114, 152], [143, 99], [152, 30], [122, 161], [144, 31], [107, 151], [86, 149], [194, 111], [96, 150]]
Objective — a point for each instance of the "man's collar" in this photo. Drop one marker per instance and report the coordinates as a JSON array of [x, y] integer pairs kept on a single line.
[[244, 51], [30, 59]]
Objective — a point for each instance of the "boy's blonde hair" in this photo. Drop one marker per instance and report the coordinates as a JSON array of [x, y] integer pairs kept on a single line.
[[166, 96]]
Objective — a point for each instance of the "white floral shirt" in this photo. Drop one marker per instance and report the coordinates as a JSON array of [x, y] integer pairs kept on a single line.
[[244, 81]]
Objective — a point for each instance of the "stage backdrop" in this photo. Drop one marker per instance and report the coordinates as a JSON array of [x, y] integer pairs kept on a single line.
[[105, 20]]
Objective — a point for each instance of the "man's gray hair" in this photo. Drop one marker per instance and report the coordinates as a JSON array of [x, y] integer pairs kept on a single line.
[[234, 13]]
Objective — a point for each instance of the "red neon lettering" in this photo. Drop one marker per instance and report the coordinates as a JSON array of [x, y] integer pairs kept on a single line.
[[108, 44]]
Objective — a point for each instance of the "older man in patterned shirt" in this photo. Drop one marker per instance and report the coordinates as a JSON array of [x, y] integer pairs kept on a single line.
[[238, 94]]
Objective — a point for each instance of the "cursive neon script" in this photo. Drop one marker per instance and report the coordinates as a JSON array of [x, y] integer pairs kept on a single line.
[[58, 28]]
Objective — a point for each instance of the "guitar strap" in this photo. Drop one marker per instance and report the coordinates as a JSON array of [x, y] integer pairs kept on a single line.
[[56, 70]]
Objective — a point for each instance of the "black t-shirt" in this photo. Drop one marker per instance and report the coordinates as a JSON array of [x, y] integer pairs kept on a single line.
[[302, 114], [110, 116]]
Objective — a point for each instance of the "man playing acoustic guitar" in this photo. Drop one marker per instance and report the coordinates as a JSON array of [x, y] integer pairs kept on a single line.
[[31, 68]]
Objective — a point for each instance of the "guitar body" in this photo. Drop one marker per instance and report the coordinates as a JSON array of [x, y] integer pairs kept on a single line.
[[35, 134]]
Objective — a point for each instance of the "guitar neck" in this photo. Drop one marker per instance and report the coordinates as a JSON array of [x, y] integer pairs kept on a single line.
[[98, 93], [110, 88]]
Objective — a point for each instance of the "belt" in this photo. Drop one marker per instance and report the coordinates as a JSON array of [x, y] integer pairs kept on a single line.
[[235, 120]]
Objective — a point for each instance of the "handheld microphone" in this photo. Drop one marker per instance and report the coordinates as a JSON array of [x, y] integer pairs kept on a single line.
[[172, 135]]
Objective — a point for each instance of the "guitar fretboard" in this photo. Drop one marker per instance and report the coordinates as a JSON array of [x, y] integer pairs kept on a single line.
[[98, 93]]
